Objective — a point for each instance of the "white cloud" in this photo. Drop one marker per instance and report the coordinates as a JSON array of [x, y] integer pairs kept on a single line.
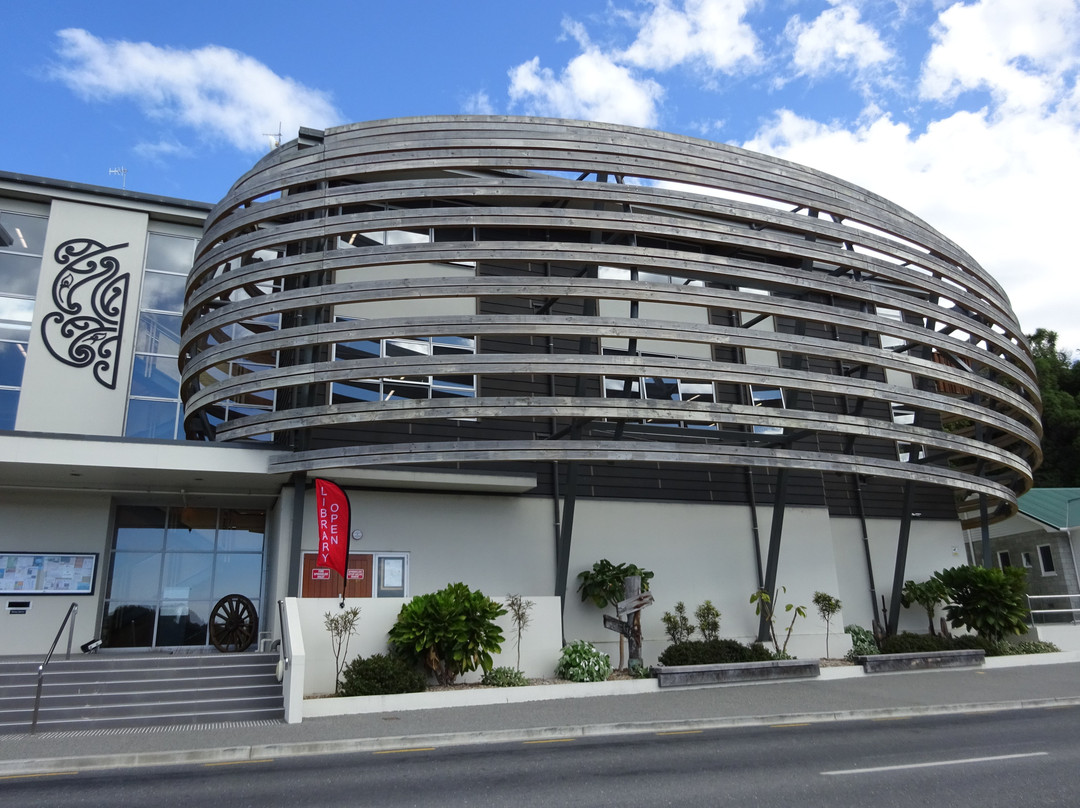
[[156, 152], [836, 40], [1000, 187], [1019, 51], [221, 93], [591, 86], [479, 103], [709, 32]]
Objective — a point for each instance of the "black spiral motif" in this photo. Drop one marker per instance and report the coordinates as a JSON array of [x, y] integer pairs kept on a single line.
[[89, 296]]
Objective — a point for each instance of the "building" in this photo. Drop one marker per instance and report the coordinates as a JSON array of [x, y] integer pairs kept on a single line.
[[520, 345]]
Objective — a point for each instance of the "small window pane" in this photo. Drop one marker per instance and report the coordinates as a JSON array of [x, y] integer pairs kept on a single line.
[[163, 292], [241, 531], [182, 622], [170, 253], [23, 233], [1046, 558], [153, 376], [128, 625], [238, 572], [151, 419], [16, 315], [12, 362], [19, 274], [360, 391], [191, 529], [9, 407], [158, 334], [188, 573], [135, 576], [140, 528]]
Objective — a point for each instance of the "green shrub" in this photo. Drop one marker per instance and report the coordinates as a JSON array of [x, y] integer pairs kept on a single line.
[[990, 602], [449, 632], [713, 652], [677, 626], [380, 675], [862, 642], [908, 643], [582, 662], [504, 677], [708, 618], [1035, 647]]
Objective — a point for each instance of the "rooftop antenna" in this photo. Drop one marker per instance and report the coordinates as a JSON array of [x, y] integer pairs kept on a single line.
[[275, 137], [122, 172]]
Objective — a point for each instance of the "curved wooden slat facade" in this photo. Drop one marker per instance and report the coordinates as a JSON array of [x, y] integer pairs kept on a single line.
[[553, 291]]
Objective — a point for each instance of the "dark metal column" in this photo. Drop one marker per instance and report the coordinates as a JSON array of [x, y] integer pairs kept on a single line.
[[901, 558], [299, 480], [774, 552]]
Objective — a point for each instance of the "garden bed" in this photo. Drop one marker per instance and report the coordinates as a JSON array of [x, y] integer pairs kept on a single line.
[[732, 672], [891, 663]]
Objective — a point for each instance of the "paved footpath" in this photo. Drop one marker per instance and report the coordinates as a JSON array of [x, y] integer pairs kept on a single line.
[[840, 694]]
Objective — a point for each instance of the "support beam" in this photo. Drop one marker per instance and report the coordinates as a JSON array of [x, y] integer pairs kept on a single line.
[[901, 559], [984, 525], [773, 561], [296, 540]]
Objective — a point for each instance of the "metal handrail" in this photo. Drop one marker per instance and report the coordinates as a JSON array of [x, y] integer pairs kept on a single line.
[[285, 644], [1033, 612], [72, 612]]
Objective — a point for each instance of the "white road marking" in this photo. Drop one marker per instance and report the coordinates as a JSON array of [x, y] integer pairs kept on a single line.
[[935, 763]]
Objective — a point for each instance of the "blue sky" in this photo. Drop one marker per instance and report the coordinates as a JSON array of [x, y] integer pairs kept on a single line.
[[967, 113]]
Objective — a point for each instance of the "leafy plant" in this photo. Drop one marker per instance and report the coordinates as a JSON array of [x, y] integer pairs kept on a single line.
[[380, 675], [713, 652], [342, 628], [449, 632], [827, 607], [764, 600], [677, 626], [582, 662], [603, 585], [990, 602], [862, 642], [519, 609], [927, 594], [504, 677], [708, 620]]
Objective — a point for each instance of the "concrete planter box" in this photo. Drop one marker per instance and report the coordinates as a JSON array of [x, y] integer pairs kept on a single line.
[[890, 663], [731, 672]]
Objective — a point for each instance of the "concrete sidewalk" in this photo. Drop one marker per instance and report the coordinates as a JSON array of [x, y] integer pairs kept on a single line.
[[840, 694]]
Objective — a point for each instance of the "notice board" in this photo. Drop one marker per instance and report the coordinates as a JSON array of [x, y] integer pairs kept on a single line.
[[47, 573]]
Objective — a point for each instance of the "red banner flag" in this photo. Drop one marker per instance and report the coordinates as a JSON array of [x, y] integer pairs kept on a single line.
[[332, 509]]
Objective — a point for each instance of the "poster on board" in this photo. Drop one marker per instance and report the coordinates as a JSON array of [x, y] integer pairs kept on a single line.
[[47, 574]]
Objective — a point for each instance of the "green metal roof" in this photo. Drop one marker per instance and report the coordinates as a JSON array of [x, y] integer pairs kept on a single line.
[[1056, 507]]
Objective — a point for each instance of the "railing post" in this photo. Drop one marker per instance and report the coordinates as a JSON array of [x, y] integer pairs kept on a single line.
[[71, 628]]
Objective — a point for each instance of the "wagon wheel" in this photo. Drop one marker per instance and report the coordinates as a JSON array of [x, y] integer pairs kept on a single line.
[[233, 623]]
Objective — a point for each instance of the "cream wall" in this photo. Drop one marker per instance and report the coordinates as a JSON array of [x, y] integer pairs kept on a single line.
[[48, 524], [59, 398]]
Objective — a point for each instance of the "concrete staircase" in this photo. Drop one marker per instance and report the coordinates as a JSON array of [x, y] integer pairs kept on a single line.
[[105, 691]]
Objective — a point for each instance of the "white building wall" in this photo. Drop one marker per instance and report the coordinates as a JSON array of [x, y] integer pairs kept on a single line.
[[57, 397], [51, 523]]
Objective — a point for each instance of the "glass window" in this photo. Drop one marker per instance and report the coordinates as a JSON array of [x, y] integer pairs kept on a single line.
[[19, 274], [772, 397], [152, 419], [170, 253], [9, 407], [140, 528], [1003, 559], [1046, 560], [163, 292], [191, 529], [21, 232], [152, 376], [158, 334], [12, 362], [135, 576], [187, 575]]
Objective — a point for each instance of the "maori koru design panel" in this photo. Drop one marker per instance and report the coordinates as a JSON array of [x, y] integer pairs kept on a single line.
[[89, 297]]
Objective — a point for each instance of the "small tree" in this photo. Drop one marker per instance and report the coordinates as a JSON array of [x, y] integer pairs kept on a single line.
[[449, 632], [763, 600], [708, 620], [603, 585], [927, 594], [828, 607], [677, 626], [990, 602], [342, 628], [519, 609]]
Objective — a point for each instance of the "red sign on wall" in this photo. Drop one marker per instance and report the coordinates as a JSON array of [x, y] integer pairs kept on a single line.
[[320, 574], [355, 575]]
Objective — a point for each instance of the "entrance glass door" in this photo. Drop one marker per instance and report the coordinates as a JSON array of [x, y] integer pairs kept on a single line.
[[170, 565]]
